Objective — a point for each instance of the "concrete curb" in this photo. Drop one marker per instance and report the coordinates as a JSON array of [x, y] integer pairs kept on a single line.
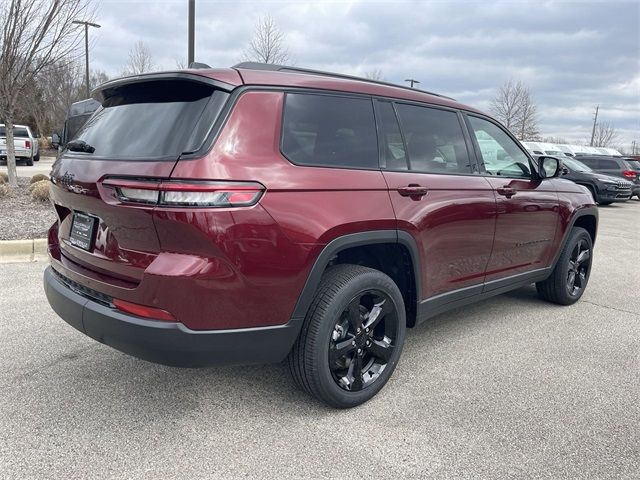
[[12, 251]]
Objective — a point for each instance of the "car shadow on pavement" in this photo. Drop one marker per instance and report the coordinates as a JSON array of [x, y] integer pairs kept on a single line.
[[95, 384]]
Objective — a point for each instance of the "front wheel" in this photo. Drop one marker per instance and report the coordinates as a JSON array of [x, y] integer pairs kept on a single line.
[[571, 274], [352, 337]]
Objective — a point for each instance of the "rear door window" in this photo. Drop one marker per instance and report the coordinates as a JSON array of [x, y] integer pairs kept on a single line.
[[153, 120], [606, 164], [434, 138], [327, 130]]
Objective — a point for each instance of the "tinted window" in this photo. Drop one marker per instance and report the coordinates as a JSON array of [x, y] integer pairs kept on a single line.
[[152, 120], [330, 131], [589, 161], [435, 141], [500, 154], [391, 143], [605, 164], [18, 132]]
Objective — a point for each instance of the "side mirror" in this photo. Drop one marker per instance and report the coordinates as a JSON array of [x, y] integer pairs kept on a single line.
[[549, 167], [55, 140]]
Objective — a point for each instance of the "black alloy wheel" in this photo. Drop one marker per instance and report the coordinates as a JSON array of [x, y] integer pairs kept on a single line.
[[579, 265], [363, 340], [570, 276], [352, 336]]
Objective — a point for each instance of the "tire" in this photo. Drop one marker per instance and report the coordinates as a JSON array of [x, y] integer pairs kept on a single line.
[[29, 161], [605, 203], [593, 193], [37, 157], [573, 268], [347, 296]]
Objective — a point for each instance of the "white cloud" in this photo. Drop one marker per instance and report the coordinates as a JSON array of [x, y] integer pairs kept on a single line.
[[572, 55]]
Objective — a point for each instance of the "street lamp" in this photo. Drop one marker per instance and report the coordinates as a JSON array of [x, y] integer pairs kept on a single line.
[[86, 46], [412, 81]]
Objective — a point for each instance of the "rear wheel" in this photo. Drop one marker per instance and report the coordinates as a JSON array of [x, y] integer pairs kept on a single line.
[[29, 161], [570, 276], [352, 336]]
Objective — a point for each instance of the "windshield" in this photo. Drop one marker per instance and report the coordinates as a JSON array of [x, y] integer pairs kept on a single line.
[[156, 120], [575, 165]]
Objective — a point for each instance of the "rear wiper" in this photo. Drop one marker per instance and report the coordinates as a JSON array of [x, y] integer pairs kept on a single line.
[[80, 146]]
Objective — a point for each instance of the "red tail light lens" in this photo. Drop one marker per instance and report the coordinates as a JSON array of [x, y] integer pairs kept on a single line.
[[174, 193], [27, 144], [143, 310], [629, 174]]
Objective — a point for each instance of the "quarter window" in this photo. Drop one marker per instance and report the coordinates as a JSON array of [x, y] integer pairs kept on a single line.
[[332, 131], [435, 141], [391, 143], [500, 154]]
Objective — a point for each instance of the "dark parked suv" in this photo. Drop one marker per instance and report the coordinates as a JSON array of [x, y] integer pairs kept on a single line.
[[616, 166], [259, 213], [605, 189]]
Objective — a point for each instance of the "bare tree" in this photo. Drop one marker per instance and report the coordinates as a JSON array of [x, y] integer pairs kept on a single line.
[[514, 107], [140, 60], [35, 34], [605, 135], [556, 140], [268, 43], [375, 74], [527, 122]]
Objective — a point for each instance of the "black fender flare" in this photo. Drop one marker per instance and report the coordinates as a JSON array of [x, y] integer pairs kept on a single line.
[[590, 211], [349, 241]]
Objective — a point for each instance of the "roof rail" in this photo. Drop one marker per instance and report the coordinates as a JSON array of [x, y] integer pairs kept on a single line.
[[284, 68]]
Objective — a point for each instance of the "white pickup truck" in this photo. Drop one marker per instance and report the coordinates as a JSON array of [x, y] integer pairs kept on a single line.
[[26, 145]]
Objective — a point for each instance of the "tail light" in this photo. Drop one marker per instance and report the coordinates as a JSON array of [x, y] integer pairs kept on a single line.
[[143, 310], [191, 193], [629, 174], [27, 144]]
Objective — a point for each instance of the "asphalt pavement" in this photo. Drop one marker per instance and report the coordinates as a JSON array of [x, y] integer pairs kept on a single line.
[[512, 387], [43, 166]]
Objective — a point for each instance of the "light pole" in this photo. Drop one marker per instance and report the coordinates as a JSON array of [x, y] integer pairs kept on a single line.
[[412, 81], [86, 47], [192, 20]]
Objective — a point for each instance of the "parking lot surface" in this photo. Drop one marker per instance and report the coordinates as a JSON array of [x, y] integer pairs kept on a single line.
[[510, 387], [43, 167]]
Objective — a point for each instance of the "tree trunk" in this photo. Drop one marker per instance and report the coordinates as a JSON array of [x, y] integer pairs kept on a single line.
[[11, 152]]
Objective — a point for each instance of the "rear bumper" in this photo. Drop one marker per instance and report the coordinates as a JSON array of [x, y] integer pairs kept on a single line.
[[169, 343]]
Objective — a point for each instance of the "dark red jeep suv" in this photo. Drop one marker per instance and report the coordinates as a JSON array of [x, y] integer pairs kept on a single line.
[[262, 213]]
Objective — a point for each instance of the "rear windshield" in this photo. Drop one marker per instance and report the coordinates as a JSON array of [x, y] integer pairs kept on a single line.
[[158, 120], [17, 132]]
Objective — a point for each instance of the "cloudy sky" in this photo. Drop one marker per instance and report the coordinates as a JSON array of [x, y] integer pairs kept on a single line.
[[573, 55]]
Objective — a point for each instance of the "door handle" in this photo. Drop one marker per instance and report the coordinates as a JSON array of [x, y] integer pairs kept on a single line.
[[506, 191], [413, 191]]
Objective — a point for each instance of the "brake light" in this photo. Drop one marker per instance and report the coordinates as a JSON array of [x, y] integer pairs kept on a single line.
[[191, 193], [27, 144], [143, 310], [629, 174]]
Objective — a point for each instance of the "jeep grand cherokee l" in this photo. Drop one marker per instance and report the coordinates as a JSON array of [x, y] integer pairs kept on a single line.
[[262, 213]]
